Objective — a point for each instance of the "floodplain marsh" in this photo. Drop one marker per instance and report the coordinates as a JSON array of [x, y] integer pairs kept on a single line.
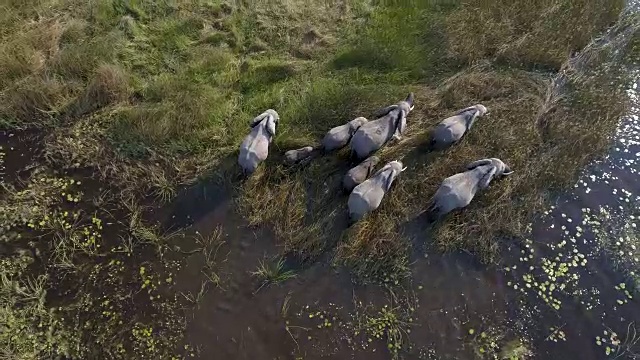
[[128, 230]]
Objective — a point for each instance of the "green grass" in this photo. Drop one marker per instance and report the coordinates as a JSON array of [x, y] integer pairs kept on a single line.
[[153, 96], [272, 272]]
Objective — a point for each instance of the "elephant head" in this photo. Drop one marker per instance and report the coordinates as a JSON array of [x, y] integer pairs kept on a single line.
[[272, 118], [496, 168], [294, 156], [406, 105], [473, 113], [389, 173], [356, 123]]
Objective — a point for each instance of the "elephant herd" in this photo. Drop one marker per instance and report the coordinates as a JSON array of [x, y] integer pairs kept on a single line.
[[365, 137]]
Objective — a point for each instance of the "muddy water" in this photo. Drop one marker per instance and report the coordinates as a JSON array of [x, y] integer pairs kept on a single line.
[[18, 149], [239, 319]]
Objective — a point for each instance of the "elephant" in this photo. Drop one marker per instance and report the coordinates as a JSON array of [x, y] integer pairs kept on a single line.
[[457, 191], [359, 173], [255, 146], [367, 196], [390, 122], [339, 136], [294, 156], [453, 128]]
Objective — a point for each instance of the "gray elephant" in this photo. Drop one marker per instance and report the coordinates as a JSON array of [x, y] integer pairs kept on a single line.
[[457, 191], [359, 173], [255, 147], [390, 122], [294, 156], [339, 136], [453, 128], [367, 196]]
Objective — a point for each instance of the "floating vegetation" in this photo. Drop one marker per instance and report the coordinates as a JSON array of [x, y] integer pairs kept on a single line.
[[494, 343], [550, 278], [368, 324], [49, 218], [556, 334], [614, 348], [388, 324]]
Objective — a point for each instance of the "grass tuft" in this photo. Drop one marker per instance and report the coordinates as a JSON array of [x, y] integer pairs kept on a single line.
[[109, 85], [272, 272]]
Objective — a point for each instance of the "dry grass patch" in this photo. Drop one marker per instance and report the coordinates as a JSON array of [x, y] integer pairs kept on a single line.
[[374, 250], [541, 33], [34, 101], [281, 199], [109, 85]]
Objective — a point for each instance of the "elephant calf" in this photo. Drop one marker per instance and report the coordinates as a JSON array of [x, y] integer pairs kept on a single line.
[[453, 128], [372, 135], [457, 191], [367, 196], [294, 156], [359, 174], [339, 136], [255, 146]]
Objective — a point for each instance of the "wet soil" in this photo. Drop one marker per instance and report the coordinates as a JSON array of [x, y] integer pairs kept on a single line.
[[18, 152]]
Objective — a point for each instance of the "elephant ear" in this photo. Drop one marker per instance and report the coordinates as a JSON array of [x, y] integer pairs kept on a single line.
[[401, 122], [384, 111], [370, 166], [471, 118], [460, 112], [271, 125], [258, 119], [389, 179], [477, 163], [486, 179], [409, 100]]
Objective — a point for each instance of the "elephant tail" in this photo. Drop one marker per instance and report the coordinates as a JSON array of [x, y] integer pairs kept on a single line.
[[353, 156], [433, 212], [354, 218]]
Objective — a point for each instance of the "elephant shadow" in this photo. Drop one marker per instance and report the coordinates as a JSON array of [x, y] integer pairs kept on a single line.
[[208, 192]]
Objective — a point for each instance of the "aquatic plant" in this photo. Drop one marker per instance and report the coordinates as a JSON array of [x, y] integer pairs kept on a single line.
[[269, 272]]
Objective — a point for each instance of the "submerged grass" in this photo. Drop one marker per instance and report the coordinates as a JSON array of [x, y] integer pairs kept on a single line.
[[155, 96], [272, 272]]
